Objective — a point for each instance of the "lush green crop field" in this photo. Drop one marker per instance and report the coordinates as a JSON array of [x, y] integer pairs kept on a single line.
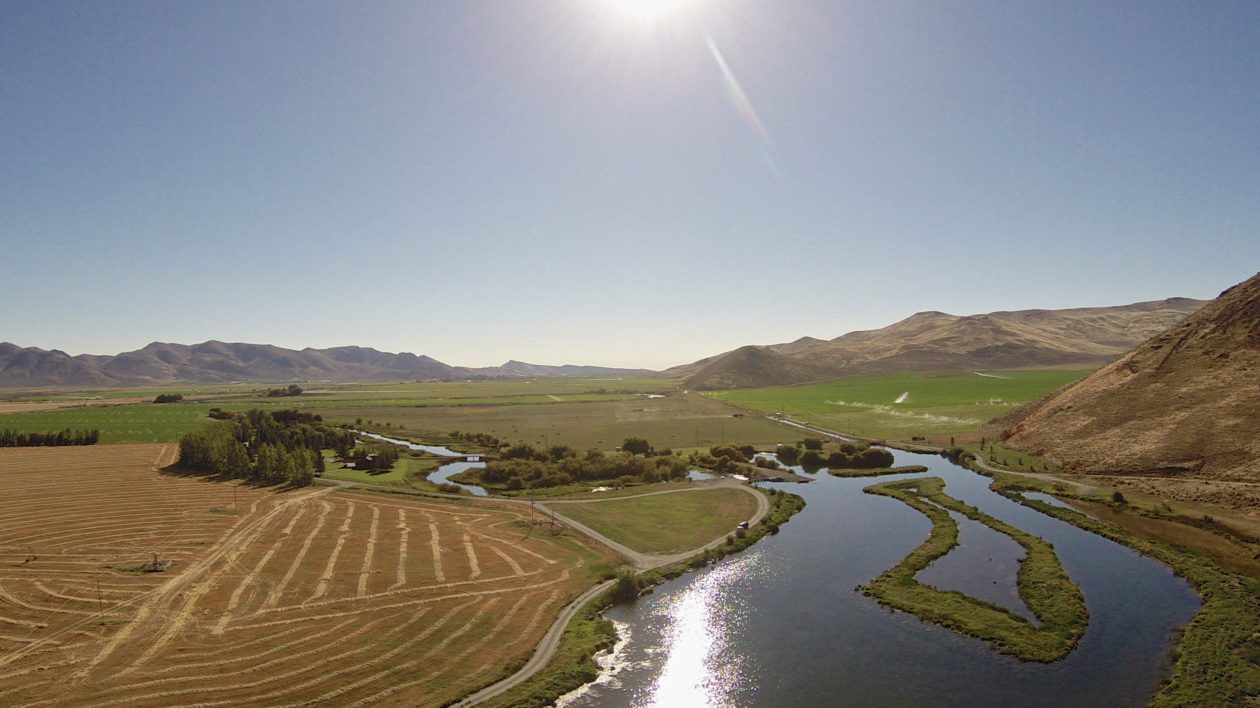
[[933, 405], [144, 422]]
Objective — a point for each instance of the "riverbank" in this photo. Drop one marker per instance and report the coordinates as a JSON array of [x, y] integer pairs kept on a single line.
[[1216, 659], [589, 632], [877, 472]]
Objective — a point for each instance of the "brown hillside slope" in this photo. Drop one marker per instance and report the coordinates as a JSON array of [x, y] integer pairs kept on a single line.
[[1185, 404], [936, 341]]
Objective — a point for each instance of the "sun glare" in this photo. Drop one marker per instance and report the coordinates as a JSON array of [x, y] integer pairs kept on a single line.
[[647, 9]]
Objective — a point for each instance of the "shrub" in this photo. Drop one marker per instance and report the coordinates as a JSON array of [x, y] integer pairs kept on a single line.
[[626, 589], [635, 446]]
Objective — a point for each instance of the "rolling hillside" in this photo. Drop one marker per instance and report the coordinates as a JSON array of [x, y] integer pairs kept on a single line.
[[936, 341], [1185, 404]]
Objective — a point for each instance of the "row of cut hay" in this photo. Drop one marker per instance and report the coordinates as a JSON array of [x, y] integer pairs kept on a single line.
[[344, 550]]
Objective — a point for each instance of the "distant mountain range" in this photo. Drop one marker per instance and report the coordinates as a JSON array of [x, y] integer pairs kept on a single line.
[[925, 342], [936, 341], [221, 362], [1186, 403]]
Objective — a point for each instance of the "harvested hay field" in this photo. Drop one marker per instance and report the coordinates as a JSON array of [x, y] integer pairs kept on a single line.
[[307, 596]]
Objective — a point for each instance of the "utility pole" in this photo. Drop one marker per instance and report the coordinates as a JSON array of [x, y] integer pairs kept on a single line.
[[100, 604]]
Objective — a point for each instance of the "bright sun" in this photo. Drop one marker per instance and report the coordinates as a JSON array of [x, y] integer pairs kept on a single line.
[[648, 9]]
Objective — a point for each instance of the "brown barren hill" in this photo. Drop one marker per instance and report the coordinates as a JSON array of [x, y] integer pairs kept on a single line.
[[941, 342], [1186, 404]]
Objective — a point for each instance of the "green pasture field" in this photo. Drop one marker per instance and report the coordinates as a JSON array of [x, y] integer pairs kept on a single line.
[[665, 523], [32, 395], [674, 422], [317, 400], [491, 389], [384, 392], [407, 471], [935, 406], [135, 423]]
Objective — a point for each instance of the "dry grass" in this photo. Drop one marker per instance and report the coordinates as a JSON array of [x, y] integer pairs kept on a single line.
[[304, 596], [7, 407]]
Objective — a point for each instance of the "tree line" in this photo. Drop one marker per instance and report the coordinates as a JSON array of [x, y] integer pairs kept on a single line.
[[13, 438], [807, 453], [522, 466], [264, 446]]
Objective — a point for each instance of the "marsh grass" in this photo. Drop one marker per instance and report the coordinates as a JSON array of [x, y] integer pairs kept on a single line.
[[878, 472], [1043, 584]]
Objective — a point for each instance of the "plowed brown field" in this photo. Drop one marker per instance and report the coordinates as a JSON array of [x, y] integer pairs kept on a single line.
[[305, 596]]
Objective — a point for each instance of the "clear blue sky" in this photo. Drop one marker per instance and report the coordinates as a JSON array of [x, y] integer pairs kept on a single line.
[[562, 182]]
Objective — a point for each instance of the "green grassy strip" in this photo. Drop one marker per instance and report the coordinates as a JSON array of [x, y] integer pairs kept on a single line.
[[589, 632], [666, 523], [1217, 662], [877, 472], [1043, 584]]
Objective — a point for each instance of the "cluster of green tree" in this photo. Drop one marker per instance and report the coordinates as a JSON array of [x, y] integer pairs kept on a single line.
[[12, 438], [860, 456], [959, 456], [636, 446], [723, 458], [291, 390], [768, 463], [485, 439], [372, 458], [808, 453], [169, 398], [264, 446], [523, 466]]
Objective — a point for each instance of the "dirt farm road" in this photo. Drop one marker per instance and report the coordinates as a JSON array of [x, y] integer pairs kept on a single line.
[[543, 653], [546, 648]]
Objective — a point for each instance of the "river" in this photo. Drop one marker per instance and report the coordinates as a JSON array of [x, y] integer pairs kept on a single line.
[[782, 623], [460, 462]]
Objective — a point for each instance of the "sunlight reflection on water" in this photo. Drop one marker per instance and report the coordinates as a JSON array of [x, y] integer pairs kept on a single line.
[[702, 667]]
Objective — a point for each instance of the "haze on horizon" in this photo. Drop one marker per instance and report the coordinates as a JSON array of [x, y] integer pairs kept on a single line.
[[563, 181]]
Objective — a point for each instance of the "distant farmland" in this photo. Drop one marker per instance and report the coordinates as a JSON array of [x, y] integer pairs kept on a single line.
[[313, 595], [140, 422], [902, 405], [581, 413], [678, 421]]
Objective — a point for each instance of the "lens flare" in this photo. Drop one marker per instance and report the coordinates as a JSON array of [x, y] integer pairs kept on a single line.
[[745, 109]]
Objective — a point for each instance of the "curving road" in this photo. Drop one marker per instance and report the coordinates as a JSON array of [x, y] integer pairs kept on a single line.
[[542, 654], [640, 561]]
